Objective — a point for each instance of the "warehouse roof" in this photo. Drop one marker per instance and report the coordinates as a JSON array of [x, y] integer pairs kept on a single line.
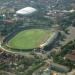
[[26, 11], [59, 68]]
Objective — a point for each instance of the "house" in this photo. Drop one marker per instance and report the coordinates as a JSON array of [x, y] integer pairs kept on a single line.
[[71, 56]]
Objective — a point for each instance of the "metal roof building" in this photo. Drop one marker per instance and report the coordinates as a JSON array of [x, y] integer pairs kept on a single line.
[[59, 68], [26, 11]]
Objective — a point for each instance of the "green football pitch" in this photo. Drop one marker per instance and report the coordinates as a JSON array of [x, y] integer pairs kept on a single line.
[[30, 38]]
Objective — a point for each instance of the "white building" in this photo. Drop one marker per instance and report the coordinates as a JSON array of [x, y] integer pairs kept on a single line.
[[26, 11]]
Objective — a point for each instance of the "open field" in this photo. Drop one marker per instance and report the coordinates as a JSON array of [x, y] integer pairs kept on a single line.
[[30, 38]]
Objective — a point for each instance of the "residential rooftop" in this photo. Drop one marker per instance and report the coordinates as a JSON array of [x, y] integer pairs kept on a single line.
[[71, 56]]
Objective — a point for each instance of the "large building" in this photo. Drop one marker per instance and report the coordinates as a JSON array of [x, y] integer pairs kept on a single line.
[[26, 11], [59, 68]]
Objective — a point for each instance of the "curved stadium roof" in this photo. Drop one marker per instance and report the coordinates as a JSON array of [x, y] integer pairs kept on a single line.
[[26, 11]]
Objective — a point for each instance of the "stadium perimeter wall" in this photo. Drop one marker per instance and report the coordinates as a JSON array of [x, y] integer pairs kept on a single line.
[[49, 42]]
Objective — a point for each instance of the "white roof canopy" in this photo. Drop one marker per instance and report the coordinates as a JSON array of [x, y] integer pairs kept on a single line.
[[26, 11]]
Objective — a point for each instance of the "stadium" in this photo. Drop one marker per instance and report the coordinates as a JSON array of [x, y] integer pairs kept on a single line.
[[28, 39]]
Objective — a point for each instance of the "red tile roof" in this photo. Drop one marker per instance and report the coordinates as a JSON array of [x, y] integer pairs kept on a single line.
[[71, 56]]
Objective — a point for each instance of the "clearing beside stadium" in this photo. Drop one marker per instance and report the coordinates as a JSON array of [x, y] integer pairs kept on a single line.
[[29, 39]]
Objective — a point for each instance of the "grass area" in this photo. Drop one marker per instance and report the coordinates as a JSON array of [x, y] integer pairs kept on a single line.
[[30, 38]]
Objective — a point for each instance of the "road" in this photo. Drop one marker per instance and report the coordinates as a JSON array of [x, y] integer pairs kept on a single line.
[[72, 72]]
